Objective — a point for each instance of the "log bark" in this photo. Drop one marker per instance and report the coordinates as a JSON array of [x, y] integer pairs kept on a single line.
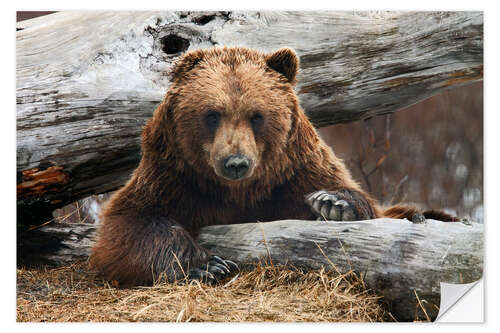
[[396, 258], [87, 81]]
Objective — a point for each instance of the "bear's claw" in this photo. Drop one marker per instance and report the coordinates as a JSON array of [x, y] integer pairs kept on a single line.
[[214, 270], [201, 275], [418, 218], [332, 206]]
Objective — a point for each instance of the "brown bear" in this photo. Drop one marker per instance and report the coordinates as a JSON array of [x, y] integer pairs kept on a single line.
[[228, 144]]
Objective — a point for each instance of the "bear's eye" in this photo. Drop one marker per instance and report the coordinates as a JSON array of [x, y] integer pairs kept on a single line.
[[256, 121], [212, 119]]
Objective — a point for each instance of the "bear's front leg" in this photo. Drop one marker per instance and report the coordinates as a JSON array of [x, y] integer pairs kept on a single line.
[[139, 250], [340, 205]]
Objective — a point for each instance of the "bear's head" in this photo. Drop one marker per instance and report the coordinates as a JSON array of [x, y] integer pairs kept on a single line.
[[230, 114]]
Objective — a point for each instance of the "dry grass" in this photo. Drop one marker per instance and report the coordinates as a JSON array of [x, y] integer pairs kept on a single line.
[[268, 293]]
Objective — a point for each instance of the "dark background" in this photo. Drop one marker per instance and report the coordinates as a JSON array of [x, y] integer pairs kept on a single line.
[[430, 153]]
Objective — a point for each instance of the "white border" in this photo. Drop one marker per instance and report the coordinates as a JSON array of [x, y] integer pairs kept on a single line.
[[491, 117]]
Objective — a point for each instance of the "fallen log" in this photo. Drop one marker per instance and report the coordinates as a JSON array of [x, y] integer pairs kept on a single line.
[[396, 258], [87, 81]]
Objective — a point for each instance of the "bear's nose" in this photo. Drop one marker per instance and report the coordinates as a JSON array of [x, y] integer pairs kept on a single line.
[[236, 166]]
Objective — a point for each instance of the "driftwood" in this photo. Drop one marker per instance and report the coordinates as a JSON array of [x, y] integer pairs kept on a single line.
[[87, 81], [397, 259]]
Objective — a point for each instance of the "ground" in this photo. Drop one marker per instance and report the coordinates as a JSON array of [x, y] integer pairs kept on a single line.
[[268, 293]]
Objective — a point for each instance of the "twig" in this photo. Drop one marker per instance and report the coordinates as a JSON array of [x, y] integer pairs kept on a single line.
[[265, 244], [345, 254], [138, 313], [230, 282], [78, 210], [445, 254], [365, 177], [179, 263], [398, 188], [421, 306], [180, 315], [341, 275], [51, 220]]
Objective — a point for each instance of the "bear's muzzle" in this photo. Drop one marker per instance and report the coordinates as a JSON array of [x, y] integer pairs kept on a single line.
[[235, 167]]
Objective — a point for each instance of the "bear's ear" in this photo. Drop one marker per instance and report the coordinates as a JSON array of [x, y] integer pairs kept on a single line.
[[156, 135], [284, 61], [186, 63]]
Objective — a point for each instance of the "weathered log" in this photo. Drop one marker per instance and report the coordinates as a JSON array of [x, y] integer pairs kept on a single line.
[[396, 258], [87, 81]]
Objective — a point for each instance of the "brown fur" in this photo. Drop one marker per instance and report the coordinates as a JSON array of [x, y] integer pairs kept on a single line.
[[151, 224], [407, 212]]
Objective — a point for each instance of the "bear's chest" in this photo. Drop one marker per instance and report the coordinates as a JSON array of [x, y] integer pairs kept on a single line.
[[196, 211]]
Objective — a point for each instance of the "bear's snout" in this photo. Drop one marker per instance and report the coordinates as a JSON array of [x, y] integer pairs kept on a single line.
[[235, 167]]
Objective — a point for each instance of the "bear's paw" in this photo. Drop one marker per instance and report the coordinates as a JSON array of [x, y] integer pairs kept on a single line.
[[342, 205], [214, 270]]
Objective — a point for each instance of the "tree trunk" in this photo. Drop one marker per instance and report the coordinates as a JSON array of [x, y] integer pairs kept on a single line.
[[396, 258], [87, 81]]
